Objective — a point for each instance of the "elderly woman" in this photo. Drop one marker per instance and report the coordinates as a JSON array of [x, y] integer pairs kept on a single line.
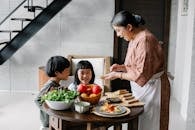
[[144, 68]]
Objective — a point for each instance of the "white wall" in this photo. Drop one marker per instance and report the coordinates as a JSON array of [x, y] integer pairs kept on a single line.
[[188, 58], [190, 124], [82, 27], [181, 53]]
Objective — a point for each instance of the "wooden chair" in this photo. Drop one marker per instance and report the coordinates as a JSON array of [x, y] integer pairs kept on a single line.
[[43, 78], [101, 65]]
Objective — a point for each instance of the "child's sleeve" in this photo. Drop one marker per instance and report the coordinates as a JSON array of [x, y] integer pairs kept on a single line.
[[37, 100]]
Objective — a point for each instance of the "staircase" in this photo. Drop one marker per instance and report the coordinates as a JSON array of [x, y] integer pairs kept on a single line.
[[22, 36]]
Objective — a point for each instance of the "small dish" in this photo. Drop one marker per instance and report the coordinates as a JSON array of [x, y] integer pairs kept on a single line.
[[114, 100], [82, 106]]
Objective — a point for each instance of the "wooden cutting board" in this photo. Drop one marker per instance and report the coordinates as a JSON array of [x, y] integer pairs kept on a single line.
[[127, 98]]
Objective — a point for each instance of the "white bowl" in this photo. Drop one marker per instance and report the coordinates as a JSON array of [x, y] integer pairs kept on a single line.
[[82, 106], [59, 105]]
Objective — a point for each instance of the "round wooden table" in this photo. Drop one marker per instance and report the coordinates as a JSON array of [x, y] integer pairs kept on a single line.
[[59, 120]]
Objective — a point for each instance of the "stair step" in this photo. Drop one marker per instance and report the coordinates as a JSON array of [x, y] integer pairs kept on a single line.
[[33, 8], [1, 43], [22, 19], [4, 41], [10, 31]]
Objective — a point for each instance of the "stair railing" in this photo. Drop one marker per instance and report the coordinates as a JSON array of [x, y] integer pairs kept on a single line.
[[3, 42], [26, 32], [30, 8]]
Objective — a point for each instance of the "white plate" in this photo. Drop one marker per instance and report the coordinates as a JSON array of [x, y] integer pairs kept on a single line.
[[125, 111], [122, 110]]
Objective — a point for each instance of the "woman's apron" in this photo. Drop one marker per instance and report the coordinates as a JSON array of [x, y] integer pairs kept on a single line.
[[151, 95]]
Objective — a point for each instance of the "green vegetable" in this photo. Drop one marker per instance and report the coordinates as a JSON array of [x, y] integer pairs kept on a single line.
[[60, 95]]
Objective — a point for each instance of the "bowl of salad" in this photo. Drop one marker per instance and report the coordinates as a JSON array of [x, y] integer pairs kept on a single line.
[[59, 99]]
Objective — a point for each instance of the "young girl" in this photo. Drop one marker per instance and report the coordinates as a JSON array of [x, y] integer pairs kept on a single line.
[[57, 68], [84, 74]]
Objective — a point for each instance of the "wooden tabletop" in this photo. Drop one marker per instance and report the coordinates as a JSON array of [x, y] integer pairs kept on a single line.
[[73, 116]]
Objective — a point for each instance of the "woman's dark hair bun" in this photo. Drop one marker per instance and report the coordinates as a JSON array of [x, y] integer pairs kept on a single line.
[[139, 19], [123, 18]]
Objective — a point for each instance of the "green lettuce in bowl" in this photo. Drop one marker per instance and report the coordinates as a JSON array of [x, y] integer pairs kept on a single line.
[[59, 99]]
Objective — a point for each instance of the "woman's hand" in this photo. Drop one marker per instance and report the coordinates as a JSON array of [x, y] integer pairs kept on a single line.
[[114, 67], [112, 75], [117, 67]]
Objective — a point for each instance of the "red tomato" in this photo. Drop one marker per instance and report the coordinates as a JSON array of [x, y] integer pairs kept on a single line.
[[96, 89], [89, 90], [82, 88]]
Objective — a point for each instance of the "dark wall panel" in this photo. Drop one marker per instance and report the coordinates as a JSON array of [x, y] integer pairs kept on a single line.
[[151, 10]]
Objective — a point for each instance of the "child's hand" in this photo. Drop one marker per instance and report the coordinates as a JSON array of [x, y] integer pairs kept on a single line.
[[63, 88], [52, 88]]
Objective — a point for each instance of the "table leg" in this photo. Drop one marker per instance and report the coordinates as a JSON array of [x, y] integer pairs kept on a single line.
[[57, 124], [118, 127], [53, 123], [89, 126], [61, 127], [133, 124]]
